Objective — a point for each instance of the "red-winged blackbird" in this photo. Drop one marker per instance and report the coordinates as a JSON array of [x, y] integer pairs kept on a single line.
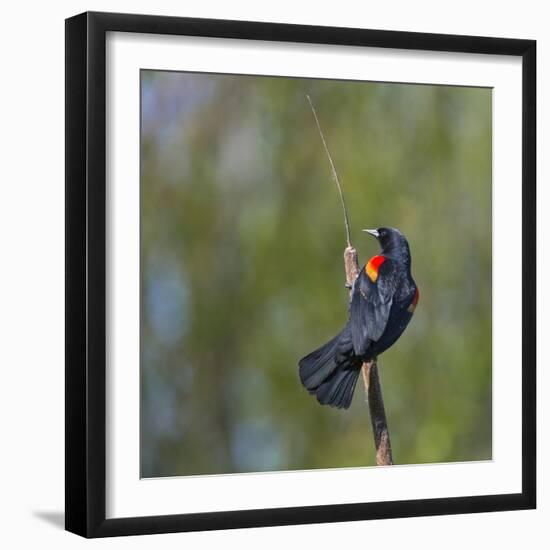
[[383, 299]]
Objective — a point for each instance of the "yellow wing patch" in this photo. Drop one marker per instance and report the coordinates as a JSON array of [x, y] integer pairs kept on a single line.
[[371, 272]]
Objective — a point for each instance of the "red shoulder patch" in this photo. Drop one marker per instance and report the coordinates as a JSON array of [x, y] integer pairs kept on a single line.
[[372, 267], [412, 307]]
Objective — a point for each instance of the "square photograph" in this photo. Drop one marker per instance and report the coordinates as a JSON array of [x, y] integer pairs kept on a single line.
[[252, 335]]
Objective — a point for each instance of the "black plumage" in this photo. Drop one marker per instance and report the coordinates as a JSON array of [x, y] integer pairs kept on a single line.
[[383, 299]]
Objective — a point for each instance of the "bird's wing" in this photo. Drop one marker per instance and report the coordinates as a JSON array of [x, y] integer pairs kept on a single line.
[[371, 302]]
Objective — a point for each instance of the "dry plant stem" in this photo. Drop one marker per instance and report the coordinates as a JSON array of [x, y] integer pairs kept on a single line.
[[371, 379], [333, 170], [373, 391]]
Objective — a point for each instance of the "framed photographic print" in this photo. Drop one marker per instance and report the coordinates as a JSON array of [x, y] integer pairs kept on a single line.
[[300, 274]]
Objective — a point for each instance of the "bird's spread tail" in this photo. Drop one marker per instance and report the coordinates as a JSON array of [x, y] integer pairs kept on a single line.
[[331, 371]]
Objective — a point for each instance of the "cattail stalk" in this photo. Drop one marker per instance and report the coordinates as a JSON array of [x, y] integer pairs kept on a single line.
[[371, 378]]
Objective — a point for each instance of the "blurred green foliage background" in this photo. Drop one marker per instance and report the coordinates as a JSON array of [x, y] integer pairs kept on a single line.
[[242, 272]]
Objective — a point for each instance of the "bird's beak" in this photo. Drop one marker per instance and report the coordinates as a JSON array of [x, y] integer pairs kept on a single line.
[[372, 232]]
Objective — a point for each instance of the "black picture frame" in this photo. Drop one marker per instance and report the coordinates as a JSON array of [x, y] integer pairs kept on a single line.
[[86, 274]]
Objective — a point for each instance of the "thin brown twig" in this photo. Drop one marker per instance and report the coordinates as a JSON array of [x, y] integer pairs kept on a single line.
[[333, 169], [371, 379]]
